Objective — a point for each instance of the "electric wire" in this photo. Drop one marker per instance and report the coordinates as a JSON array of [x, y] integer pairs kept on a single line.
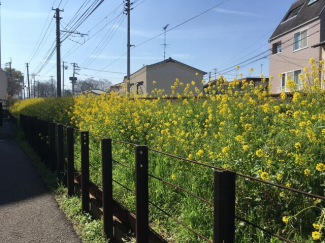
[[38, 44], [104, 42], [152, 38]]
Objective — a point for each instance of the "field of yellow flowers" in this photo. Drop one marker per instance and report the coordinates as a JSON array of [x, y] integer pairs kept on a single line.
[[280, 140]]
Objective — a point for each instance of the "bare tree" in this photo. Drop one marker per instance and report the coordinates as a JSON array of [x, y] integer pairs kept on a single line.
[[90, 83]]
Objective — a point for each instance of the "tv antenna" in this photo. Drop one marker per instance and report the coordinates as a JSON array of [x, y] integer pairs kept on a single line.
[[165, 45]]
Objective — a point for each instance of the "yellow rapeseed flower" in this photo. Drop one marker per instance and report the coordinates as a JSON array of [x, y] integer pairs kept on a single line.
[[307, 172], [298, 145], [316, 235], [259, 153], [264, 176], [200, 152], [316, 226], [285, 219], [173, 177], [320, 167]]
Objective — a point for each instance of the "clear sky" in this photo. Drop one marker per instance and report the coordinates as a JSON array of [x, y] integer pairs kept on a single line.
[[221, 38]]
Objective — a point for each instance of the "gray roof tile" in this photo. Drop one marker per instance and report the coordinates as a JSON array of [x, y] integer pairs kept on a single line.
[[306, 13]]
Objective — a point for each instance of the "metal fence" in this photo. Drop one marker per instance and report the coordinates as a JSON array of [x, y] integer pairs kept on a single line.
[[55, 143]]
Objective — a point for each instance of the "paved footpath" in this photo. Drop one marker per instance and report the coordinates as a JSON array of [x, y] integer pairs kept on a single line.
[[28, 211]]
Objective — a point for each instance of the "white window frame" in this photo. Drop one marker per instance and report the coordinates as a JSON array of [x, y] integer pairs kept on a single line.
[[286, 80], [306, 29]]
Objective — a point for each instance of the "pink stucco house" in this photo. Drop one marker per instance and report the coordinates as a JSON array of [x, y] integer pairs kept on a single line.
[[299, 37]]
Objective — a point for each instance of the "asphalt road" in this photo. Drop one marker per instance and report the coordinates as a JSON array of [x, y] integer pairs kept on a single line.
[[28, 211]]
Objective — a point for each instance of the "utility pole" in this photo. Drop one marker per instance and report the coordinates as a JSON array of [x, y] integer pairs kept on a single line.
[[63, 67], [52, 80], [209, 77], [127, 11], [23, 87], [38, 88], [58, 52], [33, 76], [28, 80], [10, 78], [261, 68], [215, 73], [74, 79]]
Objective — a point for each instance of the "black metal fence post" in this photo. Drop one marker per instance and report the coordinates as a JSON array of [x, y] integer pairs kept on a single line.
[[224, 207], [84, 138], [28, 129], [107, 178], [46, 144], [142, 194], [52, 147], [34, 135], [38, 135], [1, 115], [60, 151], [70, 167]]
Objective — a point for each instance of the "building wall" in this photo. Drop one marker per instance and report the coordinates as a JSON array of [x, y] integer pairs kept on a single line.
[[138, 78], [165, 75], [289, 60], [3, 84]]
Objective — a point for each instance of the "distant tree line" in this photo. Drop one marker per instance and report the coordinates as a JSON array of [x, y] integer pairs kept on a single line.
[[18, 85]]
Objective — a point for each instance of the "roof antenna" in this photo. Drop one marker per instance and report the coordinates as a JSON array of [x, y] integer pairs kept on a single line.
[[165, 45]]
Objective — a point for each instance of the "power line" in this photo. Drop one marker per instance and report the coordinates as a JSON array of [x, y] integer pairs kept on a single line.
[[104, 42], [37, 46], [268, 50], [65, 4], [150, 39], [102, 71], [83, 18], [74, 26], [70, 52]]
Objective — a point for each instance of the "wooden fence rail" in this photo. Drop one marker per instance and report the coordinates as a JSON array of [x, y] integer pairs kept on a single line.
[[47, 139]]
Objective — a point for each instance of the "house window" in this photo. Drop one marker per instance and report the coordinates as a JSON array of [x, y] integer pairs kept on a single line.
[[140, 87], [292, 13], [312, 1], [132, 87], [276, 48], [294, 76], [300, 40]]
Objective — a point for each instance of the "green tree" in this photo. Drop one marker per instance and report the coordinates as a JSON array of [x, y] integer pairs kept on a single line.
[[15, 81]]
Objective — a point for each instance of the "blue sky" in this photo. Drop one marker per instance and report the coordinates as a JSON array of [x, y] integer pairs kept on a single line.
[[233, 32]]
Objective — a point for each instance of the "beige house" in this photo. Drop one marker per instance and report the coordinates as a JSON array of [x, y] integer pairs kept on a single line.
[[293, 42], [162, 76], [3, 84]]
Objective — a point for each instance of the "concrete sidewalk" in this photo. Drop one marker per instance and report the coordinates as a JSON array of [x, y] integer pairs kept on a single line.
[[28, 211]]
